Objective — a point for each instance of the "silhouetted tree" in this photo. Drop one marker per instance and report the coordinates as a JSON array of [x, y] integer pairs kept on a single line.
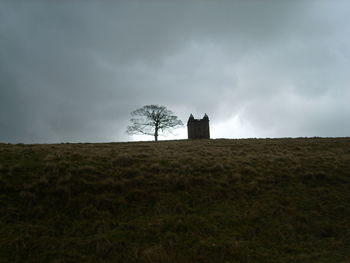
[[152, 119]]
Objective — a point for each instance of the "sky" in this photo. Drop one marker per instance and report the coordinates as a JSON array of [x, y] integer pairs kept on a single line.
[[72, 71]]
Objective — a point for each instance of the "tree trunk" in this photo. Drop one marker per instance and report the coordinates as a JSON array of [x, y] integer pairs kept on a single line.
[[156, 134]]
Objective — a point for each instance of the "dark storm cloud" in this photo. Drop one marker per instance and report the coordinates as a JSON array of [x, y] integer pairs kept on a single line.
[[74, 71]]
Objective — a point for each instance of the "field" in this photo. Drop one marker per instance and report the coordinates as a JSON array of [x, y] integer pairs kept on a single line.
[[247, 200]]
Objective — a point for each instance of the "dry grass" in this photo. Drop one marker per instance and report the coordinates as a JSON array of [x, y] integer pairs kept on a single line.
[[252, 200]]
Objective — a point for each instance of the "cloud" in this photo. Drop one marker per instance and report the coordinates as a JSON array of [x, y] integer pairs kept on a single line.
[[73, 71]]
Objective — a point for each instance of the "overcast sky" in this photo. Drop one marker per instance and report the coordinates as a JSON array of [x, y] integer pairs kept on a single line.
[[72, 71]]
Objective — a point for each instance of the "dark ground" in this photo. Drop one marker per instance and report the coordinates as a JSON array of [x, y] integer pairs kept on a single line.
[[251, 200]]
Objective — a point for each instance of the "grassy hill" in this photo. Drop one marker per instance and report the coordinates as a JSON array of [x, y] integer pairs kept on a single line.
[[251, 200]]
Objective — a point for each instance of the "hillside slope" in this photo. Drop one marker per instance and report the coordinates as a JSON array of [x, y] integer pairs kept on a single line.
[[252, 200]]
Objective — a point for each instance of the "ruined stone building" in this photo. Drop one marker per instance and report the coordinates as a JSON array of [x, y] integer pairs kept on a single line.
[[198, 128]]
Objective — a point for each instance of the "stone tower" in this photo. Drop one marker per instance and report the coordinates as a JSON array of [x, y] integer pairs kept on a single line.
[[198, 128]]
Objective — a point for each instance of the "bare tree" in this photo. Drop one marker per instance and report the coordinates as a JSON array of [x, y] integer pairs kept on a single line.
[[152, 119]]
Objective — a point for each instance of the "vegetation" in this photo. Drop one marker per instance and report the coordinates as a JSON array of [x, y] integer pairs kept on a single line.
[[251, 200], [152, 119]]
